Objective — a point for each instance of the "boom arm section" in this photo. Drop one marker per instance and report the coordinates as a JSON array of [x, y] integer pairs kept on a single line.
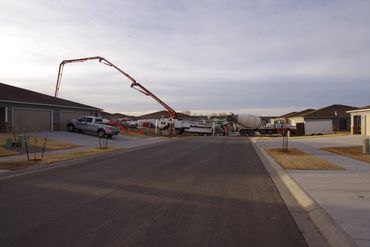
[[135, 85]]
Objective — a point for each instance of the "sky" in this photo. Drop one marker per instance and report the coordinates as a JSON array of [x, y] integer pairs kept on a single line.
[[263, 57]]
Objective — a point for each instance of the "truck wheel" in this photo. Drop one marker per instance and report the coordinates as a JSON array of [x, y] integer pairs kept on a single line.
[[101, 133], [270, 132], [243, 132], [70, 127]]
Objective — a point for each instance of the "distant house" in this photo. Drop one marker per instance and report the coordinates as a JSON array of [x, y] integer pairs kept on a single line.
[[288, 114], [165, 114], [23, 110], [115, 116], [326, 120], [149, 120], [360, 120], [299, 117]]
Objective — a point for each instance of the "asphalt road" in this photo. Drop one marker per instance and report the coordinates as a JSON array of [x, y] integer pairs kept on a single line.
[[201, 191]]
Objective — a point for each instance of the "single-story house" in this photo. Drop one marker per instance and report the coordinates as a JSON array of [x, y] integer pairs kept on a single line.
[[286, 116], [360, 120], [298, 117], [22, 110], [326, 120], [115, 116], [149, 120]]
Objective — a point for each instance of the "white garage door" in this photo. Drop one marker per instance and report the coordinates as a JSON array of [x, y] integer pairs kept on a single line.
[[31, 120], [318, 127], [65, 116]]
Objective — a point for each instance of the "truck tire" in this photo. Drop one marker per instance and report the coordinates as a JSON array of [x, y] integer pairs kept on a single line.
[[243, 132], [251, 133], [71, 127], [101, 133]]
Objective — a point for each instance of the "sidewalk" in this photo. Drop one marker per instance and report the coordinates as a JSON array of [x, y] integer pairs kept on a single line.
[[344, 195]]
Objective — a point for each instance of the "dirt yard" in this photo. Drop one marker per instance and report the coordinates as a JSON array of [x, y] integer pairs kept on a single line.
[[295, 159], [354, 152]]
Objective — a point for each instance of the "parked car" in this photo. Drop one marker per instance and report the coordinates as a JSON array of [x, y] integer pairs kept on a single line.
[[92, 125]]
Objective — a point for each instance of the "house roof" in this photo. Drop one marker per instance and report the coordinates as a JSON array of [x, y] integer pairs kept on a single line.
[[115, 115], [331, 111], [361, 109], [13, 94], [302, 113], [165, 114], [288, 114], [364, 107]]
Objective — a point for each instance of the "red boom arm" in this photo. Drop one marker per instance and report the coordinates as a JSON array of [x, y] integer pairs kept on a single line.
[[135, 85]]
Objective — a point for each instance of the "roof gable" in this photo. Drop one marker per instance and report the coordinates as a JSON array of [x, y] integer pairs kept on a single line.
[[10, 93], [288, 114]]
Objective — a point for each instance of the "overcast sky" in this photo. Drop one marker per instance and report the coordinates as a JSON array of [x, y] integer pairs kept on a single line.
[[260, 57]]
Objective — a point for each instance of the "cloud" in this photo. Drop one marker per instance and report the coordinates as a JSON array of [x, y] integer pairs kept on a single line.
[[195, 55]]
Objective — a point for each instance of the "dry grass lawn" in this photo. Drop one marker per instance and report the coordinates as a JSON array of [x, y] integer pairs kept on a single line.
[[296, 159], [34, 141], [354, 152], [53, 158]]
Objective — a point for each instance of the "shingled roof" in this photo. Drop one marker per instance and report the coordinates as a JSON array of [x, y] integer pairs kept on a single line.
[[364, 107], [13, 94], [332, 111], [302, 113], [361, 109], [288, 114]]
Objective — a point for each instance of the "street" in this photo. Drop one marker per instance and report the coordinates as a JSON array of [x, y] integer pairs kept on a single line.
[[195, 191]]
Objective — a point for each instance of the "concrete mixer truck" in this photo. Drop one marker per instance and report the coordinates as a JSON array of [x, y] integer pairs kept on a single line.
[[248, 125], [244, 124]]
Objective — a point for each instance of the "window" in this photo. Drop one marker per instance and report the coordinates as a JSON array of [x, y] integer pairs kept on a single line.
[[2, 114], [357, 121], [89, 119], [83, 119]]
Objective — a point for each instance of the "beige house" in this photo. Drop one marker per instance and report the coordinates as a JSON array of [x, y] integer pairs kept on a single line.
[[298, 117], [360, 121]]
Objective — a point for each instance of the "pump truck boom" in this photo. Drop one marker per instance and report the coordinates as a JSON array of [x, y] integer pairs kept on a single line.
[[134, 84]]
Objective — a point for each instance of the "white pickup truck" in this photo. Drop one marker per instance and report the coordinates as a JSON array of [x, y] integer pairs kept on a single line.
[[93, 125]]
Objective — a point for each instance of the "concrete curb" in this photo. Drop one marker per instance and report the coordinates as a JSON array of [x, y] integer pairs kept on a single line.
[[304, 208]]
